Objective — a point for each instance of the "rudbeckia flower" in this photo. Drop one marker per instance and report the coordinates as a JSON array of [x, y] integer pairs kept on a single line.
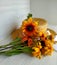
[[28, 39], [36, 52], [30, 27], [47, 48]]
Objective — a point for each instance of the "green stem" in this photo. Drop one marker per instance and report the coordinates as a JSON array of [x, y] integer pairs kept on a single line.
[[15, 42], [11, 52], [4, 46], [15, 47], [18, 50]]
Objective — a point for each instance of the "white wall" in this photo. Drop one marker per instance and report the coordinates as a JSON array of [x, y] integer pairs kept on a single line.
[[46, 9], [12, 12]]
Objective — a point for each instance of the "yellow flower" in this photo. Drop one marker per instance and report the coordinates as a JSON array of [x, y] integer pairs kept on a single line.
[[36, 49], [36, 52], [48, 43], [29, 27], [40, 34], [48, 48], [38, 45]]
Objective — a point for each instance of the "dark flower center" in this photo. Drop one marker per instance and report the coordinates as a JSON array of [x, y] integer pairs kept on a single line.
[[43, 43], [30, 28]]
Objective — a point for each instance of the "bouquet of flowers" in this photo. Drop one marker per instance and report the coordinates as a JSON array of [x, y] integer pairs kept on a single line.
[[32, 42]]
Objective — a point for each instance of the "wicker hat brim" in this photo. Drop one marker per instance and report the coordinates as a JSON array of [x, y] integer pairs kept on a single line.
[[53, 33]]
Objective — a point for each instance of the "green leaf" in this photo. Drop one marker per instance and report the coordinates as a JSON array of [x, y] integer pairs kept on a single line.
[[27, 49], [29, 15]]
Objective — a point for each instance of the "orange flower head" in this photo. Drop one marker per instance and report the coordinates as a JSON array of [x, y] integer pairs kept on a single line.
[[26, 38], [29, 27]]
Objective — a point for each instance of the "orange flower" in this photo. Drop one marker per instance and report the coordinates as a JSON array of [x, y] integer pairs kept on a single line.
[[29, 27], [43, 36], [29, 42], [26, 38]]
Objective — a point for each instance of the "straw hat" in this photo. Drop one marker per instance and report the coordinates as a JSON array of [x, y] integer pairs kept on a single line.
[[43, 27]]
